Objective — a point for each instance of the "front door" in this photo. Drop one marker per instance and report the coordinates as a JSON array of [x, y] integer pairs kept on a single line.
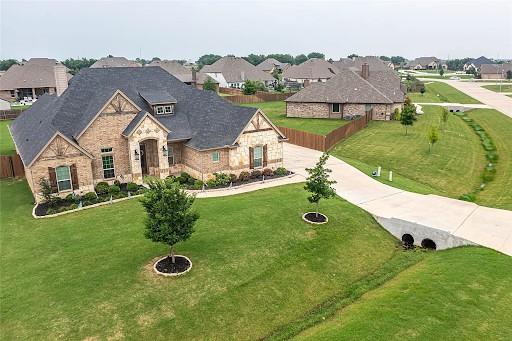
[[143, 159]]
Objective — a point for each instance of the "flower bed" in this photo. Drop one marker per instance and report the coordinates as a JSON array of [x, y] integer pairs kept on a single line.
[[103, 193], [223, 180]]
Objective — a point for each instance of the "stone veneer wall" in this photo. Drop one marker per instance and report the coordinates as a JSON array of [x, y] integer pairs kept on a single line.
[[60, 153], [200, 165], [307, 110]]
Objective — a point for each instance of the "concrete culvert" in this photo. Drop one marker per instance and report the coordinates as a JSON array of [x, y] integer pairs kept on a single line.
[[428, 244], [408, 240]]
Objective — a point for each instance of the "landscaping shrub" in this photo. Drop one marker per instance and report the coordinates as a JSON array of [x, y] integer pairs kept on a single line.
[[62, 209], [184, 178], [198, 184], [89, 196], [233, 177], [396, 115], [117, 183], [70, 197], [101, 188], [51, 211], [211, 183], [268, 172], [222, 179], [281, 171], [142, 190], [255, 174], [73, 207], [114, 189], [244, 176], [132, 187]]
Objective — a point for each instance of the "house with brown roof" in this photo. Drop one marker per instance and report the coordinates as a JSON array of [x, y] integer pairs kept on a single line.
[[311, 71], [34, 78], [114, 62], [476, 63], [125, 123], [271, 64], [425, 63], [375, 63], [495, 71], [233, 72], [349, 94], [186, 75]]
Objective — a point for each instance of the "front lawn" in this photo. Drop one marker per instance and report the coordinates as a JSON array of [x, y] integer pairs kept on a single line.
[[256, 266], [451, 169], [438, 92], [276, 111], [6, 143], [507, 87]]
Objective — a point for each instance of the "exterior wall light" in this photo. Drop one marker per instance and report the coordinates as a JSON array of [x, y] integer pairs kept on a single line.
[[164, 150], [137, 156]]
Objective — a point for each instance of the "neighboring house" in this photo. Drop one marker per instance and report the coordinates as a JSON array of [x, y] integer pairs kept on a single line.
[[186, 75], [425, 63], [270, 65], [114, 62], [495, 71], [4, 105], [126, 123], [349, 93], [355, 64], [311, 71], [233, 72], [34, 78], [476, 63]]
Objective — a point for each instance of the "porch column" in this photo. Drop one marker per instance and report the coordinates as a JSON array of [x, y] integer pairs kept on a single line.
[[163, 161]]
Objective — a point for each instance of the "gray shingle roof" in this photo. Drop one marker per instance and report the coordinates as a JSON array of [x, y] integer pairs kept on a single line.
[[179, 71], [114, 62], [204, 118], [479, 61], [154, 97], [236, 69], [355, 64], [314, 68]]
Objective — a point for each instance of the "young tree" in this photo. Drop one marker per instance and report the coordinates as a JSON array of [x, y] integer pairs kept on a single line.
[[444, 117], [509, 74], [318, 183], [209, 84], [408, 115], [250, 87], [433, 137], [46, 190], [441, 71], [170, 216]]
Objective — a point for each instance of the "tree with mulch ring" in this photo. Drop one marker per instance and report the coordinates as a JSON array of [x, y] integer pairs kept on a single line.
[[319, 185], [170, 220]]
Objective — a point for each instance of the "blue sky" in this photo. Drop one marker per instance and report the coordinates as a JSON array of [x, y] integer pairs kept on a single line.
[[189, 29]]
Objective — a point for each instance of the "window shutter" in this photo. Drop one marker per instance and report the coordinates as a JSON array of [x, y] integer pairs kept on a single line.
[[265, 156], [251, 157], [53, 179], [74, 176]]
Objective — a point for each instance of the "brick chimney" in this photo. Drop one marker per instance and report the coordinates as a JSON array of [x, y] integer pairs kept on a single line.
[[194, 78], [306, 82], [365, 71]]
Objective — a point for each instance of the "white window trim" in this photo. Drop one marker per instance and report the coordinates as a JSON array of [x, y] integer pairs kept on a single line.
[[170, 109], [69, 179], [218, 158], [113, 165], [254, 157], [170, 153], [339, 108]]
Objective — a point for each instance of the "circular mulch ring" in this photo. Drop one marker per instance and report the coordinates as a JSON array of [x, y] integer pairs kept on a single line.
[[165, 267], [312, 218]]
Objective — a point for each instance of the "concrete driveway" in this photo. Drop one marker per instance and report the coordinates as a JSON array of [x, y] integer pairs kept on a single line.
[[481, 225], [495, 100]]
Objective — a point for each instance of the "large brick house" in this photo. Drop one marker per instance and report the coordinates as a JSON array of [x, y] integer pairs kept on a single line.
[[350, 93], [125, 123]]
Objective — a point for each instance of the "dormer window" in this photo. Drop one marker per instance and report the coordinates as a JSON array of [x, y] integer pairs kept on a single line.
[[164, 109], [168, 109], [159, 110]]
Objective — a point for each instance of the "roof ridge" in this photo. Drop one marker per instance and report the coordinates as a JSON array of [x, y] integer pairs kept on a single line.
[[371, 85]]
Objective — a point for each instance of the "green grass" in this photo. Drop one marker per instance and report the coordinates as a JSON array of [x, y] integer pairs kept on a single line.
[[438, 92], [496, 88], [6, 144], [256, 268], [445, 76], [276, 111], [498, 192], [452, 168], [459, 294]]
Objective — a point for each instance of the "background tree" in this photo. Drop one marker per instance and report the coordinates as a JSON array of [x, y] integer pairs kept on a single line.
[[7, 63], [283, 58], [75, 65], [444, 117], [301, 58], [432, 136], [408, 115], [509, 74], [316, 55], [208, 59], [156, 59], [142, 61], [250, 87], [422, 90], [398, 60], [255, 59], [441, 71], [209, 84], [170, 217], [353, 55], [385, 58], [318, 183]]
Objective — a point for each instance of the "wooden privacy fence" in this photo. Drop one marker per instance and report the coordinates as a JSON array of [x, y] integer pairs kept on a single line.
[[10, 114], [321, 142], [11, 166], [258, 97]]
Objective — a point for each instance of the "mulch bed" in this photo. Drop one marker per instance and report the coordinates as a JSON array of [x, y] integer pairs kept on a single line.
[[312, 217], [165, 265]]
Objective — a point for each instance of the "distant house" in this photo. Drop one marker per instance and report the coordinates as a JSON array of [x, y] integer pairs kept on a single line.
[[476, 63], [311, 71], [114, 62], [34, 78], [233, 72], [375, 63], [425, 63], [348, 94], [4, 105], [270, 65], [493, 71], [186, 75]]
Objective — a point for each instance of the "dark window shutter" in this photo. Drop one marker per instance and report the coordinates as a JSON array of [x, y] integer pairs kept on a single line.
[[265, 156], [251, 157], [74, 176], [53, 179]]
